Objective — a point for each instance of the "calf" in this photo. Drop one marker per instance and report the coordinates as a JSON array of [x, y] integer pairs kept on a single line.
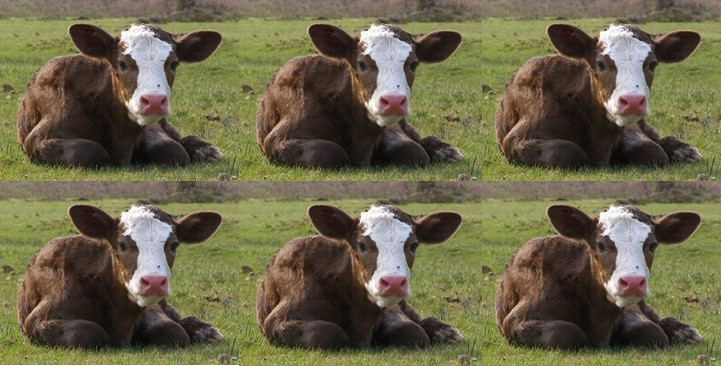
[[348, 105], [108, 285], [109, 104], [587, 286], [588, 105], [347, 287]]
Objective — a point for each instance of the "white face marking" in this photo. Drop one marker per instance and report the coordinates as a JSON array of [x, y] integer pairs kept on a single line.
[[628, 234], [628, 53], [389, 235], [149, 53], [389, 54], [149, 234]]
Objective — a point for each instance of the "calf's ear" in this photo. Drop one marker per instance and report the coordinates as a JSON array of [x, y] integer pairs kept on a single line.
[[570, 222], [197, 227], [570, 41], [437, 46], [676, 46], [676, 227], [331, 41], [197, 46], [437, 227], [331, 222], [92, 41], [92, 222]]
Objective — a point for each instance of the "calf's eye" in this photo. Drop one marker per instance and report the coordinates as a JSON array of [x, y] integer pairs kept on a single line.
[[362, 247], [601, 66], [362, 66], [122, 246], [174, 65], [413, 65], [174, 246], [652, 247], [652, 66], [601, 247], [414, 246], [122, 66]]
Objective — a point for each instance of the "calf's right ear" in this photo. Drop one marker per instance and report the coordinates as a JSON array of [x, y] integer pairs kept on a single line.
[[92, 41], [92, 222], [570, 41], [570, 222], [331, 41], [197, 227], [331, 222], [676, 227], [437, 227]]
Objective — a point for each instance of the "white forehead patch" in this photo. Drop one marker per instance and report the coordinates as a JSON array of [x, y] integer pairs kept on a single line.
[[390, 55], [389, 235], [149, 234], [628, 234], [383, 226], [149, 53], [629, 54], [140, 41], [143, 226]]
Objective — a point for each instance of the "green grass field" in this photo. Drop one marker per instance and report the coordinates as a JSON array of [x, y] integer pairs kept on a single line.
[[448, 269], [207, 269], [688, 270], [204, 103], [684, 99], [446, 99]]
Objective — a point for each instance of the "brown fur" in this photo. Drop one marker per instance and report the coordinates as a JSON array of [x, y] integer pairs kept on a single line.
[[74, 112], [74, 294], [313, 111], [552, 293], [313, 294], [552, 112]]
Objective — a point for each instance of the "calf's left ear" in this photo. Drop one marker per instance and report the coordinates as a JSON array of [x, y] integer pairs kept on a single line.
[[570, 221], [92, 221], [676, 46], [676, 227], [437, 46], [331, 222], [437, 227], [197, 227], [92, 41], [197, 46]]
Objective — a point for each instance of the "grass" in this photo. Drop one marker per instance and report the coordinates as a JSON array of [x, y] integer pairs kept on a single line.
[[210, 268], [204, 99], [445, 103], [684, 99], [448, 269], [688, 270]]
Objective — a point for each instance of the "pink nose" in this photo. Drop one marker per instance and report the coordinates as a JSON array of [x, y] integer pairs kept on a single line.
[[632, 286], [394, 105], [394, 286], [632, 105], [151, 285], [154, 104]]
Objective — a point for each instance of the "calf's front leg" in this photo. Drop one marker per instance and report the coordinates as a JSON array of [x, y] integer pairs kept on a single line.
[[436, 330]]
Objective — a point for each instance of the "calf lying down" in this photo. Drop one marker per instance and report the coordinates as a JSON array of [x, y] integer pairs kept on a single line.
[[109, 104], [587, 105], [108, 286], [348, 105], [348, 285], [587, 286]]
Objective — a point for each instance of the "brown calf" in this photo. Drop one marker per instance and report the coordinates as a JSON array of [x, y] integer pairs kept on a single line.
[[347, 287], [108, 285], [347, 106], [587, 286], [109, 104], [587, 105]]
